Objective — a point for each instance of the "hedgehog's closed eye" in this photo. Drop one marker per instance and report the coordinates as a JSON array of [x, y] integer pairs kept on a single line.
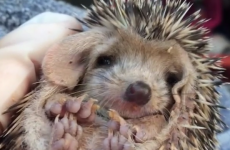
[[104, 61]]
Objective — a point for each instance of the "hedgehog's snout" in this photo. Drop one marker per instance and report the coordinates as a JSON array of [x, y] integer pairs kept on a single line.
[[138, 93]]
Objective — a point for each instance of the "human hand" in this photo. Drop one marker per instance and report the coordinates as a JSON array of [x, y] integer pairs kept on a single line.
[[21, 54]]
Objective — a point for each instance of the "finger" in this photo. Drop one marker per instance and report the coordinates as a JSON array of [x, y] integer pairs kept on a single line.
[[33, 39], [15, 78], [21, 53], [42, 25]]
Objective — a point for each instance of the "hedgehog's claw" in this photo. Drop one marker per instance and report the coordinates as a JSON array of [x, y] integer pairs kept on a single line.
[[95, 108], [56, 119], [116, 117]]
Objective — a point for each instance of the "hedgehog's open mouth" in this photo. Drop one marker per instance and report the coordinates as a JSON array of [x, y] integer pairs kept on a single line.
[[147, 115], [104, 114]]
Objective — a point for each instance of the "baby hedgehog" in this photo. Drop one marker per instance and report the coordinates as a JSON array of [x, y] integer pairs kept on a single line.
[[138, 79]]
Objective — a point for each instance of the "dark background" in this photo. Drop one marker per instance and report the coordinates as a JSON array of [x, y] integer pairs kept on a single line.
[[80, 2]]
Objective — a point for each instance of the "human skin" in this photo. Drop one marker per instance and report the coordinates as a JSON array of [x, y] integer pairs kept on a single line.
[[21, 54]]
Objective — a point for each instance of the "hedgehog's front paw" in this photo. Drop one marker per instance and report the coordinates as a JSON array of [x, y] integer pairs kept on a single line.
[[66, 133], [122, 136], [60, 105]]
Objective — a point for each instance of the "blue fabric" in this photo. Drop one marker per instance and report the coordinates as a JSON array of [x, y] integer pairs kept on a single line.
[[224, 138], [15, 12]]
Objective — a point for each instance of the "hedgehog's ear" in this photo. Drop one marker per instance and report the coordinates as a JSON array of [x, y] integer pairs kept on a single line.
[[185, 88], [66, 62]]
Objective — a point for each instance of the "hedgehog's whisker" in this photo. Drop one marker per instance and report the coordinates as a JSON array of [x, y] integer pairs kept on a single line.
[[104, 102], [40, 81], [84, 90], [83, 84], [112, 102]]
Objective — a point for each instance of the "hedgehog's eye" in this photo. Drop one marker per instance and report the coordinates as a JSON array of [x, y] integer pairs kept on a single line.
[[172, 79], [104, 61]]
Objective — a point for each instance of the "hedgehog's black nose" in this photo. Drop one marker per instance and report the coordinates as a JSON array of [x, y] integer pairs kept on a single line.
[[138, 92]]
